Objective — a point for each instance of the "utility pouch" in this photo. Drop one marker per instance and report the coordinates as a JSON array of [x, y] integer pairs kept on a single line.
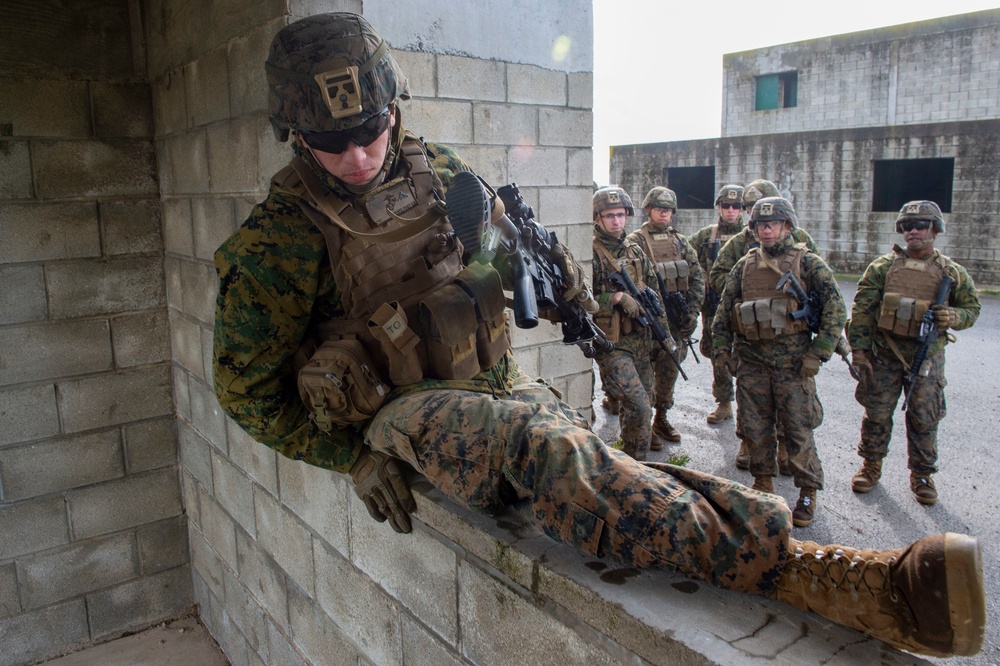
[[339, 385], [675, 274], [747, 320], [612, 326], [762, 313], [399, 343], [482, 283], [449, 323], [779, 315]]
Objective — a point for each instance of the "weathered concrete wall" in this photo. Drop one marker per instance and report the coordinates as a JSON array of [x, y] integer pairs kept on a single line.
[[928, 72], [93, 542], [829, 175]]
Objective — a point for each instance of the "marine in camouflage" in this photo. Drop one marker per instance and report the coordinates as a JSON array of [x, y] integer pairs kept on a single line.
[[739, 245]]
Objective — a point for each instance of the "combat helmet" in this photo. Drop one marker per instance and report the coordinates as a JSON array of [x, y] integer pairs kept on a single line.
[[921, 210], [330, 73], [772, 208], [731, 194], [757, 190], [612, 197], [660, 197]]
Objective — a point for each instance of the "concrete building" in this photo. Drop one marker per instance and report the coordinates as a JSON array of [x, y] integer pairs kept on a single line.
[[851, 127]]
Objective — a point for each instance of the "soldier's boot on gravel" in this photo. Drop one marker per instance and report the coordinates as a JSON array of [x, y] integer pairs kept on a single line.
[[743, 455], [867, 477], [662, 429], [723, 411], [805, 508]]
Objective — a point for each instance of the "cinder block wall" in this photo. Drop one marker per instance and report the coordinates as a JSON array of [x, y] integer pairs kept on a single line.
[[93, 542]]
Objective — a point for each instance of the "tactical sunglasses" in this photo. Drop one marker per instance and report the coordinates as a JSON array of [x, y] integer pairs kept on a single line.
[[908, 225], [363, 135], [728, 205]]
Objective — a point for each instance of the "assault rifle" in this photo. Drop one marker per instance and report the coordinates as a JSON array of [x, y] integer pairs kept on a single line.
[[649, 310], [711, 295], [928, 335], [810, 312], [488, 221], [677, 310]]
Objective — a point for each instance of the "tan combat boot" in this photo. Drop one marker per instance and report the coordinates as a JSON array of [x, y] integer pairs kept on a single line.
[[923, 488], [723, 411], [743, 455], [805, 508], [662, 427], [784, 467], [764, 484], [867, 477], [927, 598]]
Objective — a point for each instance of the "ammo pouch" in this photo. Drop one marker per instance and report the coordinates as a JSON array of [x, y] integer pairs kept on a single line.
[[675, 274], [482, 283], [389, 326], [448, 318], [900, 315], [339, 385], [761, 319]]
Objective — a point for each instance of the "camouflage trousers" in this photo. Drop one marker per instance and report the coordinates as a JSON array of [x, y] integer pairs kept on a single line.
[[924, 410], [486, 452], [627, 376], [722, 379], [666, 373], [769, 397]]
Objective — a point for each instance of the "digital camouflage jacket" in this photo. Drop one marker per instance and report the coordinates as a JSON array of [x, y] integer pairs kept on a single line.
[[619, 247], [738, 245]]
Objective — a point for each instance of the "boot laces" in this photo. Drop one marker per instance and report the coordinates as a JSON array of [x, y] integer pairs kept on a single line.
[[842, 574]]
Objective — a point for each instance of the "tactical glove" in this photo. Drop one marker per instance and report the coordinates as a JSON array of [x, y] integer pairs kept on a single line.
[[379, 482], [811, 364], [688, 325], [629, 305], [575, 280], [726, 361], [863, 364], [945, 317]]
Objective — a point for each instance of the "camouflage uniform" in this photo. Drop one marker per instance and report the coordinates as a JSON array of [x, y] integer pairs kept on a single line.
[[926, 404]]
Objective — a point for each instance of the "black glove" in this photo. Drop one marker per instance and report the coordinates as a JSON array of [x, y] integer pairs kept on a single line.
[[379, 482]]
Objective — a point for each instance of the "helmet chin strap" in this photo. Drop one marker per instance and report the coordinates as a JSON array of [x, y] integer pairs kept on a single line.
[[391, 150]]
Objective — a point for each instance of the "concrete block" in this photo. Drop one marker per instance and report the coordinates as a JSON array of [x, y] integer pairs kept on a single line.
[[53, 350], [163, 545], [169, 103], [566, 206], [359, 607], [206, 87], [110, 399], [319, 497], [469, 78], [140, 603], [30, 527], [87, 288], [285, 538], [564, 127], [131, 227], [52, 466], [420, 69], [218, 528], [528, 84], [246, 55], [581, 168], [422, 647], [43, 232], [178, 233], [255, 459], [129, 502], [122, 109], [505, 124], [534, 166], [442, 122], [416, 569], [28, 413], [581, 90], [185, 343], [246, 614], [186, 166], [65, 626], [45, 107], [490, 162], [200, 283], [207, 416], [78, 568], [10, 604], [212, 223], [273, 157], [206, 563], [232, 155], [114, 167], [263, 579], [280, 648], [234, 491], [15, 170], [141, 339], [317, 636], [196, 455], [182, 399]]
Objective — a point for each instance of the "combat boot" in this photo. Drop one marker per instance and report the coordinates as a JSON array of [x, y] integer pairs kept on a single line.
[[743, 456], [784, 466], [805, 508], [723, 411], [923, 488], [927, 598], [867, 477], [662, 427], [764, 484], [611, 404]]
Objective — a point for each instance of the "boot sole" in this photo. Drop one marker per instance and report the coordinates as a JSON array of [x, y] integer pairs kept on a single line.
[[801, 523], [966, 595], [861, 489], [711, 420]]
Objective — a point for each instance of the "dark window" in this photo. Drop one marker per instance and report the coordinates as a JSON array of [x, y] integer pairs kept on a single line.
[[899, 181], [694, 186], [777, 91]]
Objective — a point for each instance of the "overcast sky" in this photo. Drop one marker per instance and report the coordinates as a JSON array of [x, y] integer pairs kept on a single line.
[[658, 64]]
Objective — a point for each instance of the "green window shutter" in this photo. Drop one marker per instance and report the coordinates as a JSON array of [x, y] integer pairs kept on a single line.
[[767, 92]]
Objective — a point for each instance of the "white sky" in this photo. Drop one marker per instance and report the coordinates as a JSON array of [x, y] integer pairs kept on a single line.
[[658, 63]]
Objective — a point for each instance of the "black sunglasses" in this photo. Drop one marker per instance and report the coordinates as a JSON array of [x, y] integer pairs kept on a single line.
[[363, 135], [730, 206], [908, 225]]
